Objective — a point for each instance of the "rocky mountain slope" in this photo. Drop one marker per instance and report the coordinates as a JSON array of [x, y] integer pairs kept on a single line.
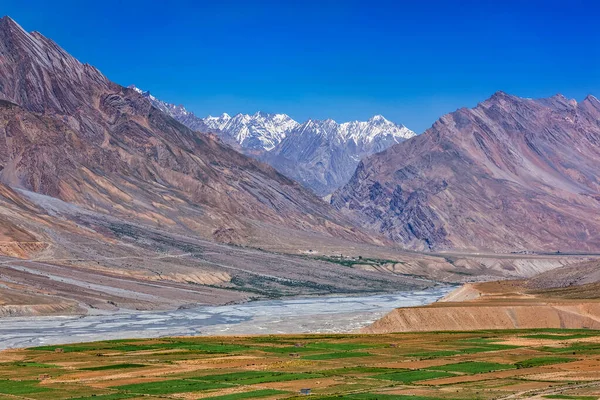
[[68, 132], [321, 155], [509, 174], [578, 278]]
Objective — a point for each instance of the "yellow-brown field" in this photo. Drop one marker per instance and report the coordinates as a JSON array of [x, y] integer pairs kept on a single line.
[[527, 364]]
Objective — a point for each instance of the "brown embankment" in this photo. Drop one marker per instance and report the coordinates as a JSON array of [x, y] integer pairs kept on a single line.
[[466, 318], [494, 305]]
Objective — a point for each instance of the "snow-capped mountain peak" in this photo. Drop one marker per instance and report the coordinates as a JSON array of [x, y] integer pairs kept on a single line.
[[217, 123], [378, 118], [260, 131], [263, 130], [375, 128], [321, 154], [137, 89]]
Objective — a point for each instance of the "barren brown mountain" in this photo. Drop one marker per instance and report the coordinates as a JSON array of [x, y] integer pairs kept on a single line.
[[510, 174], [69, 133], [106, 202]]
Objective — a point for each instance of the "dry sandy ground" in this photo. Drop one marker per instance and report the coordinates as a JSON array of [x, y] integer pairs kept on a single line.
[[493, 305]]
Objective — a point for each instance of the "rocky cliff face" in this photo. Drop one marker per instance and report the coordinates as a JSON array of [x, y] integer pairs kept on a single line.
[[66, 131], [509, 174]]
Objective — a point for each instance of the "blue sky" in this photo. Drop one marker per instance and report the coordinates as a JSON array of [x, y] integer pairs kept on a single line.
[[411, 61]]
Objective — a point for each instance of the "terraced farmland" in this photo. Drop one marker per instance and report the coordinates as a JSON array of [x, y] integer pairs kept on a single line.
[[531, 364]]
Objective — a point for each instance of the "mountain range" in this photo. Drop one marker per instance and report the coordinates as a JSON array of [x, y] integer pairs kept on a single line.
[[320, 154], [108, 200], [511, 174], [70, 133]]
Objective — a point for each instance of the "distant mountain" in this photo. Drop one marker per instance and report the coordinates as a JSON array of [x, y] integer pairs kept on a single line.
[[260, 131], [323, 155], [320, 154], [509, 174]]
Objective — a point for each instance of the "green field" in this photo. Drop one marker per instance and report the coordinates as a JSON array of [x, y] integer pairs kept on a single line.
[[552, 364]]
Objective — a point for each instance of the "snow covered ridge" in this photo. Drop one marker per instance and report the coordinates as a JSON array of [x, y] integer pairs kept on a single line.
[[264, 131], [260, 131]]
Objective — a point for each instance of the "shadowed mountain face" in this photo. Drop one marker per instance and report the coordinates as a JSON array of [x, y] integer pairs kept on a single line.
[[509, 174], [68, 132]]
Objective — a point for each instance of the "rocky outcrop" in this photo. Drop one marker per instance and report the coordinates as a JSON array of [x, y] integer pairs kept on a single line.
[[510, 174]]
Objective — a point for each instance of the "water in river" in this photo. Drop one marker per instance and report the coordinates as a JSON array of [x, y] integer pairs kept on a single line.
[[306, 315]]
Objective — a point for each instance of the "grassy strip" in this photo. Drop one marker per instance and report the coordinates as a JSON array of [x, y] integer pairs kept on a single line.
[[473, 367], [339, 346], [541, 361], [254, 377], [356, 370], [410, 376], [583, 348], [559, 337], [468, 350], [116, 396], [113, 366], [29, 364], [208, 348], [171, 386], [377, 396], [21, 388]]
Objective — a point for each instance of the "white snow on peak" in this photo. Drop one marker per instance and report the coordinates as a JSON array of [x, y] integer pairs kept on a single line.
[[376, 127], [217, 123], [137, 89], [361, 132], [258, 131], [171, 109], [264, 131]]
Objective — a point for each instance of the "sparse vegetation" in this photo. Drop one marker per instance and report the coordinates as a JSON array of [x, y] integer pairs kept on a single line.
[[115, 366], [332, 356], [540, 361]]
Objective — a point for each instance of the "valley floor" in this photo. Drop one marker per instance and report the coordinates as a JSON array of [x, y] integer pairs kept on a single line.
[[518, 364], [327, 314]]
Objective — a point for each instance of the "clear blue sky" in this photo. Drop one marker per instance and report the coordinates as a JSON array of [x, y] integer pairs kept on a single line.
[[411, 61]]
